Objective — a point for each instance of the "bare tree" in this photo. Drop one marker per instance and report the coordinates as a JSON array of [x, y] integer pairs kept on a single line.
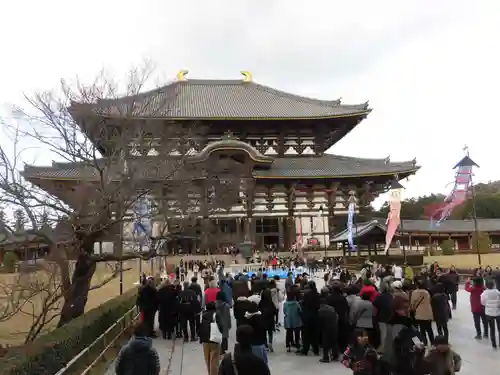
[[106, 166], [37, 297]]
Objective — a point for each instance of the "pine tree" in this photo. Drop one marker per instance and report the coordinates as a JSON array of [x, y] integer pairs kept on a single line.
[[44, 219], [19, 220]]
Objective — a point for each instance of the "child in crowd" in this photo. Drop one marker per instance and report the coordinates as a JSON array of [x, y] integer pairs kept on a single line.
[[441, 359], [292, 320], [360, 356]]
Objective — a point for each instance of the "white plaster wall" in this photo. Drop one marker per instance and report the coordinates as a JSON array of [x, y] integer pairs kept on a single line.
[[107, 248], [317, 230]]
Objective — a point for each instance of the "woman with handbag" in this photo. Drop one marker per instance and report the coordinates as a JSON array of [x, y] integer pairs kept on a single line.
[[421, 312], [211, 328]]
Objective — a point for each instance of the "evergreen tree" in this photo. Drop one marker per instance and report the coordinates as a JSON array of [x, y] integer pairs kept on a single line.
[[44, 219], [19, 220]]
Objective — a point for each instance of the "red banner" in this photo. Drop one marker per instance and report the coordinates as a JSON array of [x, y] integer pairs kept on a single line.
[[432, 209]]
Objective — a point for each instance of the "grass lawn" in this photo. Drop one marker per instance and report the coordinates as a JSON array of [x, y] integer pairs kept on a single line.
[[13, 330], [465, 260]]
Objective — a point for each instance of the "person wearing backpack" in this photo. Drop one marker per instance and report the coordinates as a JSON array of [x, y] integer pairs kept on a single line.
[[211, 337], [138, 357], [188, 307], [243, 361]]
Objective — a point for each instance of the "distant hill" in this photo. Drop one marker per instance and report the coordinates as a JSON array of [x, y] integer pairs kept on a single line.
[[492, 187]]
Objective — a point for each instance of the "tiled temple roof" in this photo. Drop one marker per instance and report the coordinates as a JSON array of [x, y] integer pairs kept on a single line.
[[422, 226], [458, 226], [221, 99], [335, 166], [359, 230], [325, 166]]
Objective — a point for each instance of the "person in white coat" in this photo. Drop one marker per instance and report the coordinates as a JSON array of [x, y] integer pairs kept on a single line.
[[397, 271], [490, 299]]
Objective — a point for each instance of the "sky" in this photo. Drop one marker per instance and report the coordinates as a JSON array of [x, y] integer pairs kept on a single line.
[[430, 69]]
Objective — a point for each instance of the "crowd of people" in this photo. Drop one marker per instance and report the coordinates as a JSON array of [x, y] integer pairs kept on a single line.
[[380, 320]]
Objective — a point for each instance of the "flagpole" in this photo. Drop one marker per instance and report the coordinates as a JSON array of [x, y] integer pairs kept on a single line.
[[402, 236], [355, 242], [474, 218], [474, 212]]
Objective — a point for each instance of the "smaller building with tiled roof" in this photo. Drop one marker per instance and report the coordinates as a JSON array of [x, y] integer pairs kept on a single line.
[[422, 234]]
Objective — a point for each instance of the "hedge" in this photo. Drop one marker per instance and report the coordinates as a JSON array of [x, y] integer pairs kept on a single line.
[[52, 351]]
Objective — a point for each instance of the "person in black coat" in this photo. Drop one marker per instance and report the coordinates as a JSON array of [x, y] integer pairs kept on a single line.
[[196, 288], [383, 306], [168, 303], [147, 302], [337, 300], [452, 281], [268, 310], [138, 356], [441, 309], [328, 327], [310, 306], [253, 317], [243, 359], [188, 307]]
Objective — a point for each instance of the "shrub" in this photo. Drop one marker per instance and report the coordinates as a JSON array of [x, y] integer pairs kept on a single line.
[[52, 351], [483, 240], [448, 247], [431, 251], [10, 260]]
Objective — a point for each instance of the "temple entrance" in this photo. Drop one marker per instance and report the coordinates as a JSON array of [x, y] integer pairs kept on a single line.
[[267, 232]]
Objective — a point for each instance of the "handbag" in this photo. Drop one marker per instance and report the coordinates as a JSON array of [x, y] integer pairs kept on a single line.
[[215, 333], [414, 310], [230, 358]]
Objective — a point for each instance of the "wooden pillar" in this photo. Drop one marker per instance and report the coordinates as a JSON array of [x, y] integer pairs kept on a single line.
[[249, 204], [253, 229], [238, 229], [409, 240], [281, 143], [218, 233], [281, 229], [204, 218], [246, 229], [291, 233], [331, 195], [319, 138]]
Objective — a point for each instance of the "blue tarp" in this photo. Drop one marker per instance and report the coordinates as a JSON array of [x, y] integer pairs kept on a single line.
[[270, 274]]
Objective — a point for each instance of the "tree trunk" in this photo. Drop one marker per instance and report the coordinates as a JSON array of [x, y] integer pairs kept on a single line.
[[76, 298]]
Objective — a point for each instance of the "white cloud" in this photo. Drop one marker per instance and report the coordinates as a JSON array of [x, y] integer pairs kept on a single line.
[[429, 68]]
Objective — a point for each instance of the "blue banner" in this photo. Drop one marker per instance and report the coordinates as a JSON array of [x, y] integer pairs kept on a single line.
[[350, 221], [142, 217]]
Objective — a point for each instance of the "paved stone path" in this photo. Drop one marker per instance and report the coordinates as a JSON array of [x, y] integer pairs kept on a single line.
[[187, 359]]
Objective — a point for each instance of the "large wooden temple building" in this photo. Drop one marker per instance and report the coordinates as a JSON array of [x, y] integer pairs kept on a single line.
[[294, 190]]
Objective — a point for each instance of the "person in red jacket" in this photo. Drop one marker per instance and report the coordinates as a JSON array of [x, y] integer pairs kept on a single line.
[[369, 288], [476, 288], [211, 292], [274, 263]]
